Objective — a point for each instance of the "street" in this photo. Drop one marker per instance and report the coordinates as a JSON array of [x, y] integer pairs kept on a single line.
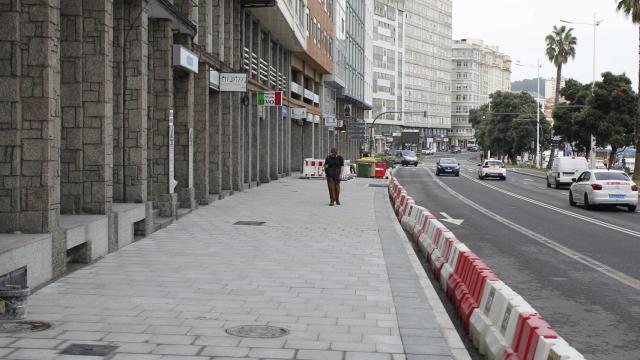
[[578, 268]]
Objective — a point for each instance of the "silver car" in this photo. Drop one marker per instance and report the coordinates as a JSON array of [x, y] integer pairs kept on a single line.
[[604, 187]]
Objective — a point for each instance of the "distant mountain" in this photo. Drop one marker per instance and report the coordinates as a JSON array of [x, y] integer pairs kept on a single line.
[[528, 85]]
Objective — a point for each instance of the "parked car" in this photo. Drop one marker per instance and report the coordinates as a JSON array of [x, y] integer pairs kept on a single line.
[[604, 187], [564, 169], [427, 152], [406, 158], [449, 166], [472, 148], [455, 149], [492, 168]]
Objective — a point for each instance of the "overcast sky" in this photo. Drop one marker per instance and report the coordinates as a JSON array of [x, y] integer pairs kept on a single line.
[[519, 27]]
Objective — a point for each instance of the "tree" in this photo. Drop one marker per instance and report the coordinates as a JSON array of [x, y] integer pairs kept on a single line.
[[631, 8], [509, 128], [561, 46], [569, 119], [614, 108]]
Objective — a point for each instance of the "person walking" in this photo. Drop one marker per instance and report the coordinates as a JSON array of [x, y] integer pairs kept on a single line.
[[333, 168]]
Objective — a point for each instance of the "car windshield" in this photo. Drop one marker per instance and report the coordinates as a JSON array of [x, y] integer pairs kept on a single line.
[[408, 153], [448, 161], [494, 163], [611, 176]]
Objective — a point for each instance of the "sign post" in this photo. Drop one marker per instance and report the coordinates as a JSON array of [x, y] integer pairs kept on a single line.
[[190, 157], [172, 151]]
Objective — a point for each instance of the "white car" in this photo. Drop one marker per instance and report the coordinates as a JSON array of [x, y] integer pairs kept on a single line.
[[492, 168], [604, 187], [427, 152]]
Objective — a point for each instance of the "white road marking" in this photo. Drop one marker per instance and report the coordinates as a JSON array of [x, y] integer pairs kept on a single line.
[[562, 211], [592, 263], [451, 220]]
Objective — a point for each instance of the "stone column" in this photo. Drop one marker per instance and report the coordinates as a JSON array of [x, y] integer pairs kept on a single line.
[[183, 97], [161, 106], [215, 145], [201, 134], [30, 122], [71, 148], [131, 48], [296, 148], [265, 142]]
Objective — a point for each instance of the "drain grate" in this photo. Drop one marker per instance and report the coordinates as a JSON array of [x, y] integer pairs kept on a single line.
[[257, 331], [249, 223], [14, 327], [88, 350], [378, 185]]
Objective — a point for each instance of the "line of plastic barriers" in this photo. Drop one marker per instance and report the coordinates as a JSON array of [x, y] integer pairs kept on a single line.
[[502, 325]]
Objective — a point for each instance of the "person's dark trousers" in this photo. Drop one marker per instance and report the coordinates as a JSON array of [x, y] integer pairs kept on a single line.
[[334, 189]]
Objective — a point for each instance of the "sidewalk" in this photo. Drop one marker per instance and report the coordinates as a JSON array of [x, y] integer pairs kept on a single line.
[[342, 280]]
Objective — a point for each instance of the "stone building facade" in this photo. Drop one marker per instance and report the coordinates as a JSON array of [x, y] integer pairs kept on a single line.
[[113, 124], [478, 70], [411, 69]]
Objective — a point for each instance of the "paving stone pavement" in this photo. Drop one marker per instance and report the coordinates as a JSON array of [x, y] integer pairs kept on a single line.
[[342, 280]]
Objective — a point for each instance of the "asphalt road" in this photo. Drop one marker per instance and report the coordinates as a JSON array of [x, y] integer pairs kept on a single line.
[[578, 268]]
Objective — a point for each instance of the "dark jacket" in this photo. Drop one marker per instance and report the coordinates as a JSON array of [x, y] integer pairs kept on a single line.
[[332, 165]]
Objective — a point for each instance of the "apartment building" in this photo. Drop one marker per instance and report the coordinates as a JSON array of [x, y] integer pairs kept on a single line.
[[478, 70], [411, 69]]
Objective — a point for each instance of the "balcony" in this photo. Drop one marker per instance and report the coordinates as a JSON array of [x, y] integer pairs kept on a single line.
[[260, 70]]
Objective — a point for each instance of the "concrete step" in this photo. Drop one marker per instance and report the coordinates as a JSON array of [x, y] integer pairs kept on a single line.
[[161, 222], [183, 212]]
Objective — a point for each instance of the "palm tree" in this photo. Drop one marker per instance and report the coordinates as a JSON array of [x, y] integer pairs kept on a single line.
[[632, 8], [561, 46]]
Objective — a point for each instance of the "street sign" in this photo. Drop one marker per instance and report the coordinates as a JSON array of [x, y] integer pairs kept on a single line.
[[299, 113], [330, 121], [270, 98], [233, 82]]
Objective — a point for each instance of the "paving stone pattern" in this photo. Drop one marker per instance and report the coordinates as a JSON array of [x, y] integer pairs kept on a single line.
[[316, 270]]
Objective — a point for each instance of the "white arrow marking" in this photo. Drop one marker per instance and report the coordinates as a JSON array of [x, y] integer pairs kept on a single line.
[[449, 219]]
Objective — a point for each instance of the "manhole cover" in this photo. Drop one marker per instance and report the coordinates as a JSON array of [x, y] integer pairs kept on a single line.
[[257, 331], [249, 223], [13, 327], [377, 185], [88, 350]]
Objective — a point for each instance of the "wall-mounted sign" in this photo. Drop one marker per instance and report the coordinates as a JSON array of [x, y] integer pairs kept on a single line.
[[330, 121], [298, 113], [185, 58], [233, 82], [214, 80], [270, 98]]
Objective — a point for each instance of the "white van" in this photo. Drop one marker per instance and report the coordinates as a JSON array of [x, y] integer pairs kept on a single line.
[[564, 169]]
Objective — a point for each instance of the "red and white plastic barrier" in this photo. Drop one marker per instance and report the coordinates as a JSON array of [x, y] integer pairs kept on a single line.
[[313, 168], [501, 324]]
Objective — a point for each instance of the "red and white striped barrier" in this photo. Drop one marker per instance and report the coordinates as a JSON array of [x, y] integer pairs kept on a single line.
[[501, 324], [313, 168]]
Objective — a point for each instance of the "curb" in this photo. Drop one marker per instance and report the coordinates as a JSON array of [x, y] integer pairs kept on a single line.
[[456, 346]]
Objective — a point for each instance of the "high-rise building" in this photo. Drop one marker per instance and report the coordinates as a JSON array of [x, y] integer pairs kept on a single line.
[[479, 70], [550, 87], [411, 68]]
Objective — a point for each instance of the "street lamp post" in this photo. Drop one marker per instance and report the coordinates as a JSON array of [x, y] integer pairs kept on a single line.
[[595, 23], [371, 140], [538, 157]]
